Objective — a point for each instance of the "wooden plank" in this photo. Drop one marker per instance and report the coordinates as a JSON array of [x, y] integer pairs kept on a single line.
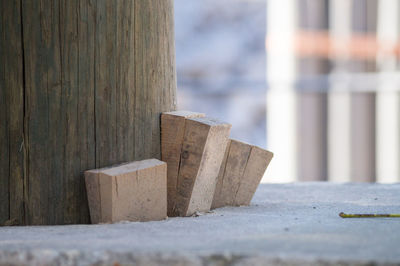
[[234, 168], [146, 188], [217, 203], [99, 193], [258, 162], [135, 191], [92, 181], [203, 150], [172, 133], [240, 173]]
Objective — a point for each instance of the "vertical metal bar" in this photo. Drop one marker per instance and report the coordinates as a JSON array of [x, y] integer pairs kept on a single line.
[[363, 103], [339, 96], [312, 102], [387, 98], [281, 104]]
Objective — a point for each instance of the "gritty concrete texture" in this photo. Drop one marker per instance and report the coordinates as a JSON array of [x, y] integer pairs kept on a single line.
[[293, 224]]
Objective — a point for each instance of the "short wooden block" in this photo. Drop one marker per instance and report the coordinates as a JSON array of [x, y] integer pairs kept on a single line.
[[203, 150], [237, 155], [172, 133], [240, 174], [134, 191]]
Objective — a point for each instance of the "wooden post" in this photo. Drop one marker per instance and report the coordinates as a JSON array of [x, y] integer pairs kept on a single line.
[[82, 86]]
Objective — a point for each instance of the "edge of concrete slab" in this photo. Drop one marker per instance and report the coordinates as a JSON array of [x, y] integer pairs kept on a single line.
[[75, 257]]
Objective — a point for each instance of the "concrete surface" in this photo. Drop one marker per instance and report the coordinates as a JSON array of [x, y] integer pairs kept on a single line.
[[293, 224]]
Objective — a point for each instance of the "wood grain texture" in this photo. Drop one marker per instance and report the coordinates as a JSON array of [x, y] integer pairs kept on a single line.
[[82, 85], [240, 174], [155, 77], [4, 120], [172, 133], [135, 191], [203, 150], [233, 169], [258, 162], [11, 113], [92, 181], [217, 199], [141, 195]]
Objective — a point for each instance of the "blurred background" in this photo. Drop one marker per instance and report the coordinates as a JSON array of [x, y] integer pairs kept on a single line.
[[314, 81]]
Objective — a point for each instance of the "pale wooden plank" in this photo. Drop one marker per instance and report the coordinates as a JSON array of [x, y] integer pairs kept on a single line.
[[92, 182], [203, 150], [135, 191], [258, 162], [234, 168], [172, 133], [141, 195], [217, 200]]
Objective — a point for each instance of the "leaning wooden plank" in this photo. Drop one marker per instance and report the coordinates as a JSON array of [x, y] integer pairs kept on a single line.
[[203, 150], [217, 200], [172, 133], [134, 191], [231, 173], [258, 162]]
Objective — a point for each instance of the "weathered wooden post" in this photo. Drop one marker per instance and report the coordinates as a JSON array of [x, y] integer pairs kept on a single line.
[[82, 85]]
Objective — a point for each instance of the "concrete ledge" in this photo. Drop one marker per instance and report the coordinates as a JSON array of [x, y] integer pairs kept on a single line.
[[294, 224]]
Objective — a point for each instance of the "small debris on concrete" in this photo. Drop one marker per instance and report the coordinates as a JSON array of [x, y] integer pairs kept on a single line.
[[197, 214]]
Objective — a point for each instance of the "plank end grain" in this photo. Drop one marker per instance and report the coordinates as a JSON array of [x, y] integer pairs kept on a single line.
[[135, 191]]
